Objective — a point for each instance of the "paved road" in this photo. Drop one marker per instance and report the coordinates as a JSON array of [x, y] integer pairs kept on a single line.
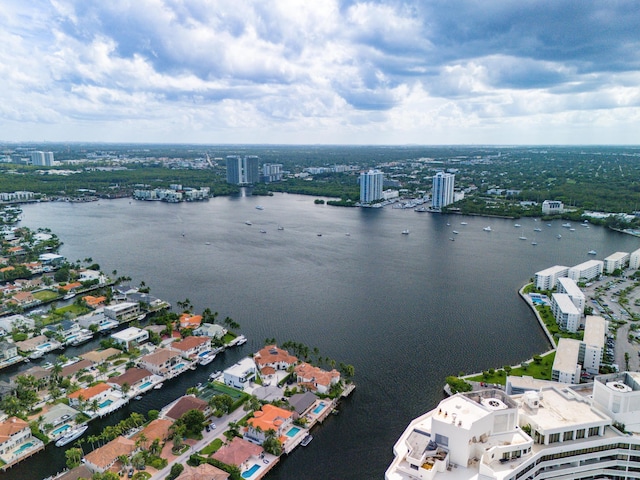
[[222, 424]]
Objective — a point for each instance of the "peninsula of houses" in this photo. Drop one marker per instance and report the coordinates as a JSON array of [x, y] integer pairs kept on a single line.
[[50, 304]]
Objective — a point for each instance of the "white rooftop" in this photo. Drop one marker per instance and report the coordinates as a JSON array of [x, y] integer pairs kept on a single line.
[[567, 355], [617, 256], [594, 331], [570, 287], [565, 304], [552, 270], [128, 334], [588, 264]]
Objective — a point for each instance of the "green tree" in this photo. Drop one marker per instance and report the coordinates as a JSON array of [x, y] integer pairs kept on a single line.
[[73, 456], [176, 470]]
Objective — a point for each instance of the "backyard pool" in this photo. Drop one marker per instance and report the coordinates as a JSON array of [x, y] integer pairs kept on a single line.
[[179, 366], [292, 432], [61, 429], [44, 346], [106, 403], [145, 385], [25, 447], [319, 408], [251, 471]]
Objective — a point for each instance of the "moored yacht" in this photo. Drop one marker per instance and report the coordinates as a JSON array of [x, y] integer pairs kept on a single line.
[[71, 436]]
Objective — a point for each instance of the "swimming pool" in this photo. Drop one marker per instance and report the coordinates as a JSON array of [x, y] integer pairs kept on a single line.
[[251, 471], [44, 346], [106, 403], [204, 354], [145, 385], [319, 408], [61, 429], [25, 447], [179, 366], [292, 432]]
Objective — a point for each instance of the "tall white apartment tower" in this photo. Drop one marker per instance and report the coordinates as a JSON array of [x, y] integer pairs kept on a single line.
[[371, 186], [442, 190], [42, 159]]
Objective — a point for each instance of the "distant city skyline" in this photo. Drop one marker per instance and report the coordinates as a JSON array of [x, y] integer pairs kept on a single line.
[[332, 72]]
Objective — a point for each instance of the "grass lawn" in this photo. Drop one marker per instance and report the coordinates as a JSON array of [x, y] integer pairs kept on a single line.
[[45, 295], [540, 371], [213, 447]]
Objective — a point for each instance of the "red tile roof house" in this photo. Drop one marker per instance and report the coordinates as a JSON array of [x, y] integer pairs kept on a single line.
[[103, 458], [203, 472], [157, 429], [98, 392], [191, 347], [134, 377], [190, 321], [316, 379], [268, 418], [23, 298], [238, 452], [274, 357], [15, 433]]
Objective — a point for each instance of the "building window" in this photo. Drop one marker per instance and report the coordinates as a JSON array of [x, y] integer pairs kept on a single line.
[[554, 438], [567, 436], [580, 433], [593, 431]]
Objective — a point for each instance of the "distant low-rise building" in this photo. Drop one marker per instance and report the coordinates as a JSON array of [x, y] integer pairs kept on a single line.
[[586, 271], [616, 261], [552, 207], [546, 279], [566, 367], [565, 312], [122, 311], [568, 286]]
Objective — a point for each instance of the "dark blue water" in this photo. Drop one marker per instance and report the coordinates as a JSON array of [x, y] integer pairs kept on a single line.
[[405, 310]]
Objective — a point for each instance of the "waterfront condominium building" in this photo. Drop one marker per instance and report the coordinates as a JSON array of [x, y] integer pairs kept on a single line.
[[568, 286], [634, 259], [616, 261], [272, 172], [595, 330], [587, 270], [565, 312], [242, 170], [546, 279], [442, 190], [371, 186], [561, 432], [566, 364]]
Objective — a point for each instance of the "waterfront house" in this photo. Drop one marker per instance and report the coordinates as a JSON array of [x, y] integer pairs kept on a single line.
[[146, 301], [189, 321], [192, 346], [316, 379], [23, 299], [201, 472], [18, 321], [8, 354], [66, 328], [98, 392], [274, 357], [240, 374], [138, 379], [130, 337], [165, 362], [71, 287], [184, 404], [212, 330], [76, 367], [94, 302], [61, 417], [101, 356], [302, 402], [52, 259], [269, 417], [122, 311], [238, 452], [16, 440], [103, 458]]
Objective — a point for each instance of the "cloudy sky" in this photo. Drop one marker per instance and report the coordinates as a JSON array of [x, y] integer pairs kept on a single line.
[[320, 71]]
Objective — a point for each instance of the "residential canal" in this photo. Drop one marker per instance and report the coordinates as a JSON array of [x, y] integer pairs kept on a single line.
[[405, 310]]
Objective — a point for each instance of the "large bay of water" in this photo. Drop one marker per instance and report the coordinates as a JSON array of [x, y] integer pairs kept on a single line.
[[405, 310]]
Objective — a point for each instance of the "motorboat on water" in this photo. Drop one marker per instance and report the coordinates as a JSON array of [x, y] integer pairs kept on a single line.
[[487, 228], [592, 252], [71, 436], [405, 232], [306, 440]]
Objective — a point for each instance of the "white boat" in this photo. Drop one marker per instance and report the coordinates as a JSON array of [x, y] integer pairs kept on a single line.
[[138, 397], [158, 386], [534, 243], [558, 236], [537, 229], [592, 252], [455, 231], [36, 354], [263, 231], [83, 337], [69, 296], [566, 225], [522, 238], [71, 436], [207, 359], [247, 222], [215, 375], [517, 225], [259, 207], [207, 243], [405, 232], [572, 229], [241, 340], [487, 228], [280, 227], [463, 223], [306, 440], [452, 239]]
